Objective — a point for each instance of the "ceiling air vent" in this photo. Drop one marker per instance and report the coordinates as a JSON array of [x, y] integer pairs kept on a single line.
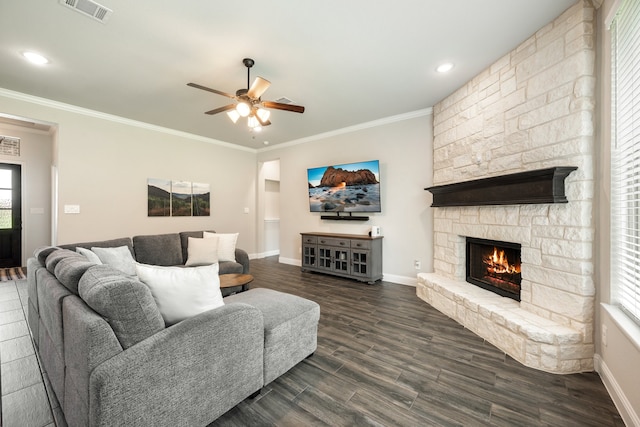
[[89, 8], [284, 100]]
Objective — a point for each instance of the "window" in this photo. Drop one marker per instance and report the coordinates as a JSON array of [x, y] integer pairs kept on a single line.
[[625, 159], [6, 196]]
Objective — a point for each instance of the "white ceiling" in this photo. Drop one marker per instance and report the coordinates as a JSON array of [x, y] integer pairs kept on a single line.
[[348, 62]]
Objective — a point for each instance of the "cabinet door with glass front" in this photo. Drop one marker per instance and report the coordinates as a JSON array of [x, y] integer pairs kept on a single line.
[[341, 261], [360, 263], [309, 251]]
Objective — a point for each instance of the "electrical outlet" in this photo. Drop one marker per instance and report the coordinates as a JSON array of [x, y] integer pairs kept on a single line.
[[604, 335], [416, 264]]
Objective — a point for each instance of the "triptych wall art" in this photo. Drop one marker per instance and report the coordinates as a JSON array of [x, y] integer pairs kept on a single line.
[[178, 198]]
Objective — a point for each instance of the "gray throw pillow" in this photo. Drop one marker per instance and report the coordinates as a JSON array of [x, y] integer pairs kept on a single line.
[[119, 258], [89, 255]]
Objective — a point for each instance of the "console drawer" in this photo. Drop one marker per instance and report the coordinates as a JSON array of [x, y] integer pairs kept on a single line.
[[361, 244], [329, 241], [309, 239]]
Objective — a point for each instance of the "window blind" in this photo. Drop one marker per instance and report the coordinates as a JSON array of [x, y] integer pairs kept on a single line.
[[625, 159]]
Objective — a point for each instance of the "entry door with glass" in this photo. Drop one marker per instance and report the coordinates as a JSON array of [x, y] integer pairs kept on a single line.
[[10, 216]]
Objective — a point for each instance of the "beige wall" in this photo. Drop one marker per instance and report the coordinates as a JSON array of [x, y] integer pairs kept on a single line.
[[35, 160], [104, 162], [404, 149], [617, 359]]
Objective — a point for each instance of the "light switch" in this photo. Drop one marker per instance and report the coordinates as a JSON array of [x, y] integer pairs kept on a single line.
[[72, 209]]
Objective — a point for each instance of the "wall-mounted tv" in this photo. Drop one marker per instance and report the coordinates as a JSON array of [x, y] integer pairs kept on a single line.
[[351, 187]]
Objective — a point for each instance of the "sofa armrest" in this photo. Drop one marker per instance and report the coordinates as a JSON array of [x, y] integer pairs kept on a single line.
[[188, 374], [243, 258]]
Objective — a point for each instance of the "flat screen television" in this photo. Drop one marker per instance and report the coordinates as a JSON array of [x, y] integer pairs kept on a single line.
[[350, 187]]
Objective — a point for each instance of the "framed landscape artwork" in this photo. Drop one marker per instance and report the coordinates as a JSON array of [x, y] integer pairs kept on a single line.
[[201, 199], [177, 198], [180, 198], [159, 197]]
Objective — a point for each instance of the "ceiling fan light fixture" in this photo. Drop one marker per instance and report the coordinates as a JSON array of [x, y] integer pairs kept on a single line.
[[263, 114], [243, 109], [233, 115], [252, 122]]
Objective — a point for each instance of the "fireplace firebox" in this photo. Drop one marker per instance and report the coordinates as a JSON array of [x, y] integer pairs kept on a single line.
[[495, 266]]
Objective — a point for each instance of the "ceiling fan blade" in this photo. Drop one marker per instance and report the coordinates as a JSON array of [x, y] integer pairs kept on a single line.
[[286, 107], [208, 89], [258, 87], [221, 109]]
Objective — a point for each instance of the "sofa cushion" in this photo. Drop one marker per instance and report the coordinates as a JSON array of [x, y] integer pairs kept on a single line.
[[113, 243], [201, 252], [41, 254], [228, 267], [158, 249], [181, 293], [290, 327], [58, 255], [123, 301], [69, 271], [119, 258]]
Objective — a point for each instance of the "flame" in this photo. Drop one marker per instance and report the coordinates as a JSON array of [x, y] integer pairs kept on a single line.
[[497, 263]]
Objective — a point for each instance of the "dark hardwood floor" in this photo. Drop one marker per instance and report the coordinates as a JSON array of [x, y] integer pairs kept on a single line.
[[386, 358]]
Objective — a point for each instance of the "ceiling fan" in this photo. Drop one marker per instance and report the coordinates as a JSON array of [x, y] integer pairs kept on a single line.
[[248, 101]]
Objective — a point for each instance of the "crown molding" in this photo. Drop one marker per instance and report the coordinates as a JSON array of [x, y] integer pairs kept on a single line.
[[123, 120], [350, 129], [19, 96]]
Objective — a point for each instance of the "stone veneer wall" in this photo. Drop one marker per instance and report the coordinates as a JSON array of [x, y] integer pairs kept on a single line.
[[532, 109]]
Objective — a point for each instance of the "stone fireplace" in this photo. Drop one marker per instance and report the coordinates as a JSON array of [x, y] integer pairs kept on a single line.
[[531, 110]]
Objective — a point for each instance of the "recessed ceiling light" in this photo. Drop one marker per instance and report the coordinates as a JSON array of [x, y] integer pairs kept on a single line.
[[35, 58], [443, 68]]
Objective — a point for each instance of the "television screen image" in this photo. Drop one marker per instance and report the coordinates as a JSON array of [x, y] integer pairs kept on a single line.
[[351, 187]]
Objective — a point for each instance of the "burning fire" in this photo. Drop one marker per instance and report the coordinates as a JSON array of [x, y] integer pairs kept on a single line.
[[497, 263]]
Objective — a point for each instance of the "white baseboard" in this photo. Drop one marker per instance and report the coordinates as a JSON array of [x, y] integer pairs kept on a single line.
[[400, 280], [290, 261], [627, 411], [264, 254]]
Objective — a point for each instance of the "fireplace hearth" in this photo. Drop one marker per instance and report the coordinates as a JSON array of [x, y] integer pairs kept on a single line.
[[494, 266]]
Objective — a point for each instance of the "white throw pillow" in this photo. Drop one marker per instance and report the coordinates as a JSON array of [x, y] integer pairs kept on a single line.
[[226, 245], [181, 292], [119, 257], [90, 256], [202, 251]]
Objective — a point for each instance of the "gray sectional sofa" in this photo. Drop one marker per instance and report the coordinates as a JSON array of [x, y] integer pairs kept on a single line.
[[111, 360]]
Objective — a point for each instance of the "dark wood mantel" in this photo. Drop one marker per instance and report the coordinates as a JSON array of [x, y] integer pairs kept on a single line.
[[537, 186]]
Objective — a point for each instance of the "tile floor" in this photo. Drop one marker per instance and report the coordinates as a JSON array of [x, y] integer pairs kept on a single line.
[[24, 400]]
